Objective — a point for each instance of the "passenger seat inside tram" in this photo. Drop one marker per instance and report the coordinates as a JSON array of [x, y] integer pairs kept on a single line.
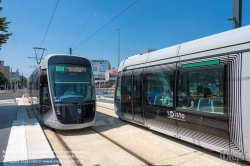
[[204, 104]]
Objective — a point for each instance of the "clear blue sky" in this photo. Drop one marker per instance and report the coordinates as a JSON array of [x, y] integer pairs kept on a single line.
[[151, 24]]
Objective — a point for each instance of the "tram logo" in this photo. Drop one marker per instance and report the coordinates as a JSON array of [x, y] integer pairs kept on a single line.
[[79, 111], [176, 115]]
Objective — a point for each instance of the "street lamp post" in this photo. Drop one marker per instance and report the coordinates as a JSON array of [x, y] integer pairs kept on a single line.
[[10, 78], [118, 29]]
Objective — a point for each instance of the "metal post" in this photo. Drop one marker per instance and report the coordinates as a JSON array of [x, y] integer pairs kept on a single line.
[[70, 51], [22, 81], [118, 29], [237, 14], [99, 90], [10, 78]]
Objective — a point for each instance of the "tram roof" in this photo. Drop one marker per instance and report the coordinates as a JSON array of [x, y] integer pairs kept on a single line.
[[214, 44], [44, 62]]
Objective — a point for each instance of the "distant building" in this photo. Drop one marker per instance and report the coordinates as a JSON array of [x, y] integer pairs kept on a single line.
[[111, 76], [99, 69], [15, 74]]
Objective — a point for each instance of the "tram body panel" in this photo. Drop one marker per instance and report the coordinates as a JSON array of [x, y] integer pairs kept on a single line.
[[217, 44], [245, 100], [220, 119]]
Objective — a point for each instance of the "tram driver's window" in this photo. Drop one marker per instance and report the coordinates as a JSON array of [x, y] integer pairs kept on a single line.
[[201, 90]]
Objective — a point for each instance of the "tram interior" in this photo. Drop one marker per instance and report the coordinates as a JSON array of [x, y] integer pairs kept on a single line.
[[198, 89]]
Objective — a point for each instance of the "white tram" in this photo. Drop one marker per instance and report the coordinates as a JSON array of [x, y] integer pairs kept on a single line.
[[62, 92], [196, 91]]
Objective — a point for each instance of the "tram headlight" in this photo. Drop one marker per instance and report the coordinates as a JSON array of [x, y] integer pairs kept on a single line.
[[58, 110]]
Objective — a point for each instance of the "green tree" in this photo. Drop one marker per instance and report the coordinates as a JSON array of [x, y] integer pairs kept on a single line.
[[15, 80], [4, 35], [3, 79], [23, 81]]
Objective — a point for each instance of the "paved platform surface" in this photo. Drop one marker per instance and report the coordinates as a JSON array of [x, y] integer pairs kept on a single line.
[[8, 113], [24, 142]]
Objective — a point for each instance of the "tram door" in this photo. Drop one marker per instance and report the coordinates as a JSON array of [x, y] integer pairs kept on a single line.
[[159, 98], [132, 95]]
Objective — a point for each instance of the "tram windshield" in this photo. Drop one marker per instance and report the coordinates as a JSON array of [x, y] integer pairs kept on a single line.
[[71, 84]]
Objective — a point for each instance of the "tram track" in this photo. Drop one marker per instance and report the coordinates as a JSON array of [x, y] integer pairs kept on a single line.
[[145, 161], [60, 141], [124, 148], [77, 162], [104, 107], [71, 155]]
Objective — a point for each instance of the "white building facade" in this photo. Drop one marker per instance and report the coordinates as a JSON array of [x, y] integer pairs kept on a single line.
[[99, 69]]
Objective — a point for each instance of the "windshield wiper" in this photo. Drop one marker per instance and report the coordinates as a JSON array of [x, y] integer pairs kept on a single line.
[[89, 92]]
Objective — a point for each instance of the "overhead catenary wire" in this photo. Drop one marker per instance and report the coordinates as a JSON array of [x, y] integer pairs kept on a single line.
[[99, 42], [49, 23], [86, 23], [106, 24], [154, 7]]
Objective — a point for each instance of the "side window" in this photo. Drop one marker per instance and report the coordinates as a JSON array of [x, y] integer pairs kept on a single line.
[[160, 87], [118, 89], [45, 91], [137, 86], [46, 96], [30, 85], [201, 89], [127, 91], [126, 97]]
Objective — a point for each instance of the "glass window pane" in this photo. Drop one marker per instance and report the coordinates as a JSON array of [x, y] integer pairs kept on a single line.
[[126, 95], [118, 89], [159, 88], [202, 89], [71, 84], [137, 95]]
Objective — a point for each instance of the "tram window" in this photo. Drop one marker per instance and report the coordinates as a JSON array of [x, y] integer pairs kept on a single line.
[[127, 94], [159, 88], [46, 97], [118, 89], [201, 90], [127, 88], [70, 84]]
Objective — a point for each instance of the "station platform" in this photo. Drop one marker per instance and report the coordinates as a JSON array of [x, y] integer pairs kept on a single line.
[[27, 144]]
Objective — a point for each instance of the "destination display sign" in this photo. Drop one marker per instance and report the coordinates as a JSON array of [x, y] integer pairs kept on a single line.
[[70, 69]]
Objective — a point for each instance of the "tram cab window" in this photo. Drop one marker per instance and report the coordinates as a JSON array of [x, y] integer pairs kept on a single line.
[[201, 90], [159, 88], [71, 84]]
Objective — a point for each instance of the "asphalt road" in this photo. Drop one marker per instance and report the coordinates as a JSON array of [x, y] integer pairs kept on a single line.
[[6, 95]]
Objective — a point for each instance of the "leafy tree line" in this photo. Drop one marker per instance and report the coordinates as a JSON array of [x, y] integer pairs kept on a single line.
[[3, 79], [4, 35], [23, 81]]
